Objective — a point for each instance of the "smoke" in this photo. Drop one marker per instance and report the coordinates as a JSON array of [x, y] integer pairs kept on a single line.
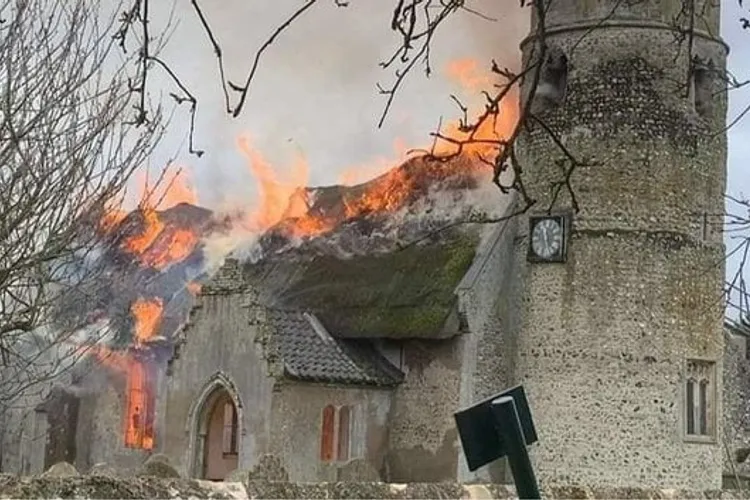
[[315, 92]]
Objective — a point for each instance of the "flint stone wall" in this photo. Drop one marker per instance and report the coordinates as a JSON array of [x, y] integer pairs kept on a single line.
[[146, 487]]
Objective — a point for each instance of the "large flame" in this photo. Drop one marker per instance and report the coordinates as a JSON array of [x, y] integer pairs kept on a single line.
[[280, 199], [147, 315], [152, 227], [157, 244], [286, 199]]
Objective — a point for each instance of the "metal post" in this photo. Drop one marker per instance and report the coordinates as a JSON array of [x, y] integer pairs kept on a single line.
[[509, 427]]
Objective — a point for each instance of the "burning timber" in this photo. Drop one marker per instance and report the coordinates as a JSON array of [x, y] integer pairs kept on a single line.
[[410, 203]]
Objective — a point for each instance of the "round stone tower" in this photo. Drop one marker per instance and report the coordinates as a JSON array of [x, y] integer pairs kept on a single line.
[[619, 341]]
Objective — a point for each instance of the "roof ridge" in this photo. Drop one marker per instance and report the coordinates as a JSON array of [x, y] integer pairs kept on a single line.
[[318, 327]]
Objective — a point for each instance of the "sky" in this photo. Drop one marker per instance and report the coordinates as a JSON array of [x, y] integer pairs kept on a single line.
[[315, 95], [738, 180]]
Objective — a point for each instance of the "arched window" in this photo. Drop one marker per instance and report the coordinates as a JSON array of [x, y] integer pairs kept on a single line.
[[700, 397], [553, 81], [703, 86], [344, 433], [141, 407], [327, 434]]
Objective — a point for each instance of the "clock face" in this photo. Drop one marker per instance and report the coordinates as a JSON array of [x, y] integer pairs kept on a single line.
[[547, 238]]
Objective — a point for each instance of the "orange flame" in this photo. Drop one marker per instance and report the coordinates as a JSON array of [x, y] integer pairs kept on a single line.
[[274, 194], [139, 425], [157, 245], [193, 287], [177, 244], [469, 75], [147, 315], [280, 200], [287, 201], [152, 227], [140, 394], [178, 190]]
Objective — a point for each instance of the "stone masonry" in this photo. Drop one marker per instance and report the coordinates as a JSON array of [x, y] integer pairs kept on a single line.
[[605, 337]]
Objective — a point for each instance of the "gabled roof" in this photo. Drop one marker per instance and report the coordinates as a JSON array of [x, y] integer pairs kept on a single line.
[[310, 353], [408, 293]]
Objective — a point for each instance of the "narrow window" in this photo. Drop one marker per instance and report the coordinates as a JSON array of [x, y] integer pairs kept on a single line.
[[703, 86], [344, 433], [699, 399], [553, 81], [703, 407], [690, 404], [141, 405], [230, 429], [327, 434]]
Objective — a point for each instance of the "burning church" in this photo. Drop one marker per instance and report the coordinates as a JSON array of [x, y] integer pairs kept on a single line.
[[321, 349], [367, 315]]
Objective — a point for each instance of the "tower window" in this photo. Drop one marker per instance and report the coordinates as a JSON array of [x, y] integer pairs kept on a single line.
[[700, 394], [553, 81], [703, 87]]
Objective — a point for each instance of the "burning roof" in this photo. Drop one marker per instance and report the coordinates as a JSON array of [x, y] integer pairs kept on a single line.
[[384, 268], [409, 202]]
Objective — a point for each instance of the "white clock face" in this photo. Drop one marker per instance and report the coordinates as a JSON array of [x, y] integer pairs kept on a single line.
[[546, 238]]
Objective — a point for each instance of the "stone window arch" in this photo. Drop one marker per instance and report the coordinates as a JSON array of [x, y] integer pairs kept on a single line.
[[700, 400], [702, 78], [218, 394], [552, 86]]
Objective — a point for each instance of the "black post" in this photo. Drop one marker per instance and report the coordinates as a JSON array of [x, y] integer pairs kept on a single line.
[[509, 427]]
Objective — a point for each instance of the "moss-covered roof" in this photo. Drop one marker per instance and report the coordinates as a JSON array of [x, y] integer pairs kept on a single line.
[[404, 294]]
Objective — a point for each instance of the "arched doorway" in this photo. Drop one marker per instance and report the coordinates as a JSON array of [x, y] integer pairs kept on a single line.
[[218, 436]]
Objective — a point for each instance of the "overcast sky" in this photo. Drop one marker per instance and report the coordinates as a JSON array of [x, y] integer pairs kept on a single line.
[[738, 180], [315, 94]]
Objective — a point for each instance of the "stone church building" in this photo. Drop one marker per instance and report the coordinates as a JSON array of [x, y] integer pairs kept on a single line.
[[606, 307]]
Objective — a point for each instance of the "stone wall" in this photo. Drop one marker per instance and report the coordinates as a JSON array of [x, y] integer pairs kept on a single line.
[[736, 405], [423, 442], [487, 296], [101, 422], [147, 487], [218, 350], [296, 432]]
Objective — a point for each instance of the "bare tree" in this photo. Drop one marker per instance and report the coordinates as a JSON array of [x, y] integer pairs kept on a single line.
[[67, 150]]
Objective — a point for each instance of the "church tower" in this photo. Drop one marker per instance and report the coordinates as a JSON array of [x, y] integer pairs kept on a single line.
[[619, 339]]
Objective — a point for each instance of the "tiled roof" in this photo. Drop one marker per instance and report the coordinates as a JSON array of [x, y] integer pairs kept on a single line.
[[309, 352]]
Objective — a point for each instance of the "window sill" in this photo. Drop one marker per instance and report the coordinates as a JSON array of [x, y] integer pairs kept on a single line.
[[229, 455], [698, 439]]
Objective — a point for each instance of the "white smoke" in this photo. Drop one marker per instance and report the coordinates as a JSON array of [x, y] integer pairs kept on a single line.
[[315, 92]]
